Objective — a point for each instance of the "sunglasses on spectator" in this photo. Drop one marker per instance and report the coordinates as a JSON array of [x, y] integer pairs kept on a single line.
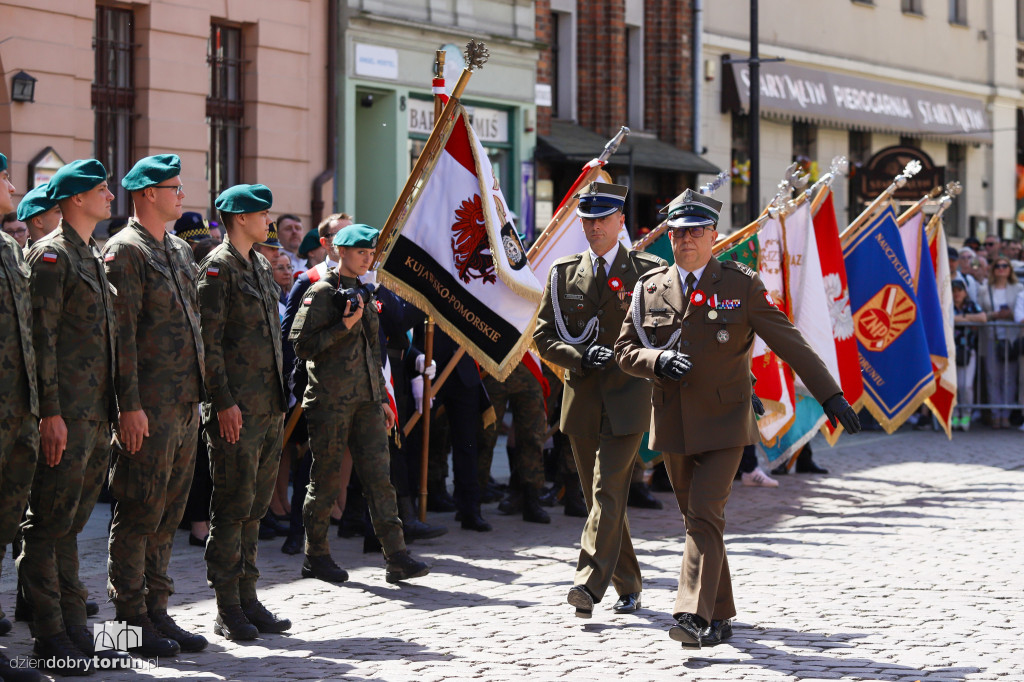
[[1001, 265]]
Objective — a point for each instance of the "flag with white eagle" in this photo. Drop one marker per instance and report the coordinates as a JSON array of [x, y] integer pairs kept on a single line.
[[457, 256]]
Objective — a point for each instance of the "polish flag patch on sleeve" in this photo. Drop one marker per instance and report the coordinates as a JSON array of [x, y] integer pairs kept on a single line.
[[307, 300], [49, 257], [212, 271], [109, 257]]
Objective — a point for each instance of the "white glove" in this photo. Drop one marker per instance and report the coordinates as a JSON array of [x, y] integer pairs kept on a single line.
[[428, 372], [417, 392]]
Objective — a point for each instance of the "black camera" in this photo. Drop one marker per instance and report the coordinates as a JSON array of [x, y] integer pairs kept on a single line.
[[352, 295]]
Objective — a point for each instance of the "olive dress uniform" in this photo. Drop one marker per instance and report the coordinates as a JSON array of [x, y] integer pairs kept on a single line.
[[702, 422], [605, 412]]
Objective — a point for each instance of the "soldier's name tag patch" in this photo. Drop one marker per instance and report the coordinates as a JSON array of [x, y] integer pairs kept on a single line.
[[657, 310], [574, 297], [729, 304], [722, 336], [49, 257], [212, 272], [109, 257]]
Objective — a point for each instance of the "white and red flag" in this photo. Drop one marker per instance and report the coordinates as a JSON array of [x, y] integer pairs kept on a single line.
[[833, 271], [457, 256]]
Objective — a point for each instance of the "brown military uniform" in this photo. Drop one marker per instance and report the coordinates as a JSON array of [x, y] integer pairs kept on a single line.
[[242, 341], [160, 370], [703, 421], [19, 432], [74, 332], [605, 412]]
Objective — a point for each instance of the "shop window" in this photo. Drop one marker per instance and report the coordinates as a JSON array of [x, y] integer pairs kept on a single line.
[[956, 171], [113, 96], [805, 148], [907, 141], [635, 76], [858, 153], [740, 170], [958, 12], [225, 107], [562, 65]]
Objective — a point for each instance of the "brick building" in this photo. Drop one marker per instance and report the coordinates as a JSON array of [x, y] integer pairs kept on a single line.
[[609, 63]]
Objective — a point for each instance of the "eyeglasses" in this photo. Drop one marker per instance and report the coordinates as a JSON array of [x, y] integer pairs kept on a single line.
[[999, 266], [282, 268], [696, 231], [178, 189], [991, 243], [16, 231]]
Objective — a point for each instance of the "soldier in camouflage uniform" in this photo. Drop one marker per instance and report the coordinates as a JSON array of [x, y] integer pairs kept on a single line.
[[19, 436], [159, 386], [244, 413], [74, 334], [524, 394], [346, 404]]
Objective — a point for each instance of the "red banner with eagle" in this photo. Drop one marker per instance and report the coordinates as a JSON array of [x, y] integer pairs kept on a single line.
[[459, 258]]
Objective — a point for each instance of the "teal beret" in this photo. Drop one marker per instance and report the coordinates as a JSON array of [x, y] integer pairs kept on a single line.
[[309, 242], [3, 163], [34, 203], [245, 199], [76, 177], [357, 236], [152, 170]]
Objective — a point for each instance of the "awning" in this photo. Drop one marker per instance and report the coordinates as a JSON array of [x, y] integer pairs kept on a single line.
[[817, 96], [573, 143]]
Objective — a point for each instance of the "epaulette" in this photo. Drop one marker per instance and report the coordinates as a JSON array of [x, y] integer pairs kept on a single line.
[[742, 267], [654, 271], [643, 255], [574, 258]]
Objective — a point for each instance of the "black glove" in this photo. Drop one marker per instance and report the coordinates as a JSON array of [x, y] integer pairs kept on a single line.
[[837, 409], [757, 405], [672, 365], [596, 357]]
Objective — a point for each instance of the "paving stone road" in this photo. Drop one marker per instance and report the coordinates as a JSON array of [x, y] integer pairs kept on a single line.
[[902, 564]]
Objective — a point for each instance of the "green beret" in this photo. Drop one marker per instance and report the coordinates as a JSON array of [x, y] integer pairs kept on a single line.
[[35, 202], [309, 242], [245, 199], [3, 163], [76, 177], [357, 236], [152, 170]]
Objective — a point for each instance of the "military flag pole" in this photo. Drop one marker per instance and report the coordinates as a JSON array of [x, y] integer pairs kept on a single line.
[[909, 171], [655, 234], [917, 206], [428, 333]]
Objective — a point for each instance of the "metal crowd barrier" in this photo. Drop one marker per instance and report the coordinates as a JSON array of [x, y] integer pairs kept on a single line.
[[996, 365]]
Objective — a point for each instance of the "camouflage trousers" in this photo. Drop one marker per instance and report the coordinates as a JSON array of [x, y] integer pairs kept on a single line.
[[60, 504], [523, 394], [244, 474], [19, 445], [360, 426], [151, 488]]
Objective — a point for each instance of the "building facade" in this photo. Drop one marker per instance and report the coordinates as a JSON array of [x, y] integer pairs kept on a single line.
[[385, 109], [611, 63], [862, 76], [239, 90]]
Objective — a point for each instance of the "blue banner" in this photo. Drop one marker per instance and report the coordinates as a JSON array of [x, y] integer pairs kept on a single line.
[[888, 322], [808, 419], [928, 298]]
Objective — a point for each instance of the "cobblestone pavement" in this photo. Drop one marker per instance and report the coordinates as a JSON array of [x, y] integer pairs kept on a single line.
[[902, 564]]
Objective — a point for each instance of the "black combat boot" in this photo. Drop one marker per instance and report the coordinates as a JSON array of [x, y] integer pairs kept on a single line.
[[84, 642], [512, 504], [412, 527], [188, 641], [232, 624], [322, 567], [10, 673], [573, 498], [401, 566], [152, 642], [532, 511], [58, 653], [263, 619]]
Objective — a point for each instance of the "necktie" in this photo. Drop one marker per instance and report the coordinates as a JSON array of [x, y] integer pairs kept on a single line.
[[601, 275], [691, 283]]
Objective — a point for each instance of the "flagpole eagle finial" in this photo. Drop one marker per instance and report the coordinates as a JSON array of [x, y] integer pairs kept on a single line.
[[954, 188], [710, 187], [476, 55]]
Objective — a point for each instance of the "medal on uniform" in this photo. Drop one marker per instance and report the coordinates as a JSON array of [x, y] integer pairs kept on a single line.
[[652, 287], [722, 335], [712, 314]]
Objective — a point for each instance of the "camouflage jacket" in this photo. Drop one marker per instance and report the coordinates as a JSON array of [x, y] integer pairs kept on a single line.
[[159, 346], [17, 357], [241, 332], [73, 327], [344, 364]]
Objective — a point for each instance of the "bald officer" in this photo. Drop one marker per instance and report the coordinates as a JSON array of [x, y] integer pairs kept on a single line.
[[708, 311], [604, 411]]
